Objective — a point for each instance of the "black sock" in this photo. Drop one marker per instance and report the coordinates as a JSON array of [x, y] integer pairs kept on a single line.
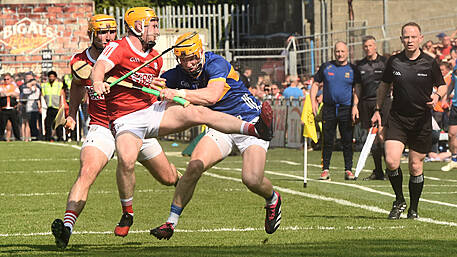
[[376, 151], [416, 184], [396, 180]]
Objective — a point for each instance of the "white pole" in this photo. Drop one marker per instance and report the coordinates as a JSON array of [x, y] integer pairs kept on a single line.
[[305, 162]]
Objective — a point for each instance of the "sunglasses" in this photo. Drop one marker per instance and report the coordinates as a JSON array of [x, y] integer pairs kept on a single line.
[[102, 32]]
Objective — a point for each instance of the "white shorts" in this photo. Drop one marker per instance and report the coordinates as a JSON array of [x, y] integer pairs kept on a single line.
[[143, 123], [101, 138], [225, 141]]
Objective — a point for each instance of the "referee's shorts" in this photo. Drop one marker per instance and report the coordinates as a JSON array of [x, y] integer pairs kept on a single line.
[[415, 132]]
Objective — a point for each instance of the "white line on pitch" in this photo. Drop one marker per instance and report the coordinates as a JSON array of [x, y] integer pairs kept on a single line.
[[34, 171], [204, 230], [364, 188], [338, 201]]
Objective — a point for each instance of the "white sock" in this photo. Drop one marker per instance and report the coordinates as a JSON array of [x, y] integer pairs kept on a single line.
[[173, 219], [273, 199]]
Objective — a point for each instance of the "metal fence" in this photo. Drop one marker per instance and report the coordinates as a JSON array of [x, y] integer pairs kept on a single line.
[[311, 51], [226, 23]]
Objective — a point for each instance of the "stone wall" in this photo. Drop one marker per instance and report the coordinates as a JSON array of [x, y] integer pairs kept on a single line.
[[28, 29], [433, 16]]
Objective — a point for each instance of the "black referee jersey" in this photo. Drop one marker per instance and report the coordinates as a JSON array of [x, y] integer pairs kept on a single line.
[[413, 82], [371, 75]]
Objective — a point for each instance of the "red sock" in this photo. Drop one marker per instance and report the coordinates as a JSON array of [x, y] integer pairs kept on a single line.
[[248, 128], [127, 205], [70, 218]]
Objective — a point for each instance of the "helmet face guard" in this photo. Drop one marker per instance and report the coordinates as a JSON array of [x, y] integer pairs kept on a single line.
[[142, 14], [191, 47], [100, 23]]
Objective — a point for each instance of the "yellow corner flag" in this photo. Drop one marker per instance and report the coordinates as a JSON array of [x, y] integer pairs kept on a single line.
[[307, 118]]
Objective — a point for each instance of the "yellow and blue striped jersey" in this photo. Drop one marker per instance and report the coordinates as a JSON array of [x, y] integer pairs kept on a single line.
[[236, 99]]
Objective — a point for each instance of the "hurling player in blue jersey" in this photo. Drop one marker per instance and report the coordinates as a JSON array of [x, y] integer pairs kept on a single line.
[[208, 79]]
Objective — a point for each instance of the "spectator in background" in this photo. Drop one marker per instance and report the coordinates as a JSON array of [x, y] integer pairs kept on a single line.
[[338, 78], [452, 130], [371, 69], [24, 92], [54, 96], [293, 92], [9, 94], [237, 67], [248, 75], [429, 48], [33, 106], [444, 49], [275, 90]]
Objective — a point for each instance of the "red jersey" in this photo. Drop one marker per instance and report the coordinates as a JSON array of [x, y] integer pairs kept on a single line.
[[97, 104], [124, 57]]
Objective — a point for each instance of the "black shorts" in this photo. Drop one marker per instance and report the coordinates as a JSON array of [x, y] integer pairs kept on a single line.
[[453, 116], [415, 132], [366, 111]]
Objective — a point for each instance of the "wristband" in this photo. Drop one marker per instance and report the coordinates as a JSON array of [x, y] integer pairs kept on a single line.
[[181, 93], [377, 109]]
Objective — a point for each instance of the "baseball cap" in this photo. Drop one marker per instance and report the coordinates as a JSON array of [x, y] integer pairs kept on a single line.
[[441, 35]]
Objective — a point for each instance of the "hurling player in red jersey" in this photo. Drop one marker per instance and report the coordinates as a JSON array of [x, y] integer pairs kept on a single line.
[[99, 146], [135, 115]]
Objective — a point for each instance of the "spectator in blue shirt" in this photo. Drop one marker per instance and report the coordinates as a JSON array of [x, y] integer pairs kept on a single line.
[[338, 78], [293, 91]]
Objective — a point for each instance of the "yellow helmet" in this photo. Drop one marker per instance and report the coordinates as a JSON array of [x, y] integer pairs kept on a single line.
[[143, 14], [191, 46], [100, 22]]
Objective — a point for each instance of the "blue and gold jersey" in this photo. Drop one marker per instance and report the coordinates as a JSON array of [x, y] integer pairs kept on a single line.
[[236, 100]]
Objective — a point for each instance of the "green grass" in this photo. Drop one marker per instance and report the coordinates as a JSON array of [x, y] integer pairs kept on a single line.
[[337, 218]]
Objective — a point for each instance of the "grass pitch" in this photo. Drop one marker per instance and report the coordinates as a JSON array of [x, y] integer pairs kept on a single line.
[[336, 218]]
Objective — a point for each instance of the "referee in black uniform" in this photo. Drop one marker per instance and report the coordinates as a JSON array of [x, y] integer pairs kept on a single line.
[[371, 69], [413, 74]]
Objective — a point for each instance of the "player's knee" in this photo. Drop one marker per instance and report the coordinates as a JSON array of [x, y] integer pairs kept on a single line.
[[195, 169], [415, 168], [392, 163], [126, 165], [252, 180], [169, 180], [87, 175], [199, 113]]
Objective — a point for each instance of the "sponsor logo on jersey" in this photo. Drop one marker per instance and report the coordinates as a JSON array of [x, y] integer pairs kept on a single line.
[[134, 59], [363, 72], [184, 84], [396, 73], [142, 78], [347, 75], [331, 74], [422, 74]]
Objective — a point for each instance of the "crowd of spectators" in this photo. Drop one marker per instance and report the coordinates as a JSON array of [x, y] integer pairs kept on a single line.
[[23, 105]]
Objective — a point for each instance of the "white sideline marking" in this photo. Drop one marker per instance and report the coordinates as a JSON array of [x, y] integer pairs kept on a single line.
[[338, 201], [290, 163], [38, 159], [364, 188], [34, 171], [290, 228]]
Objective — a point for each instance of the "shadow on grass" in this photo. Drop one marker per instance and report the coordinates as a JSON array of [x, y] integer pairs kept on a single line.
[[328, 248]]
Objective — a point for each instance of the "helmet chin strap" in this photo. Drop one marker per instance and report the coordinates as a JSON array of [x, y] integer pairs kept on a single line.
[[96, 47]]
